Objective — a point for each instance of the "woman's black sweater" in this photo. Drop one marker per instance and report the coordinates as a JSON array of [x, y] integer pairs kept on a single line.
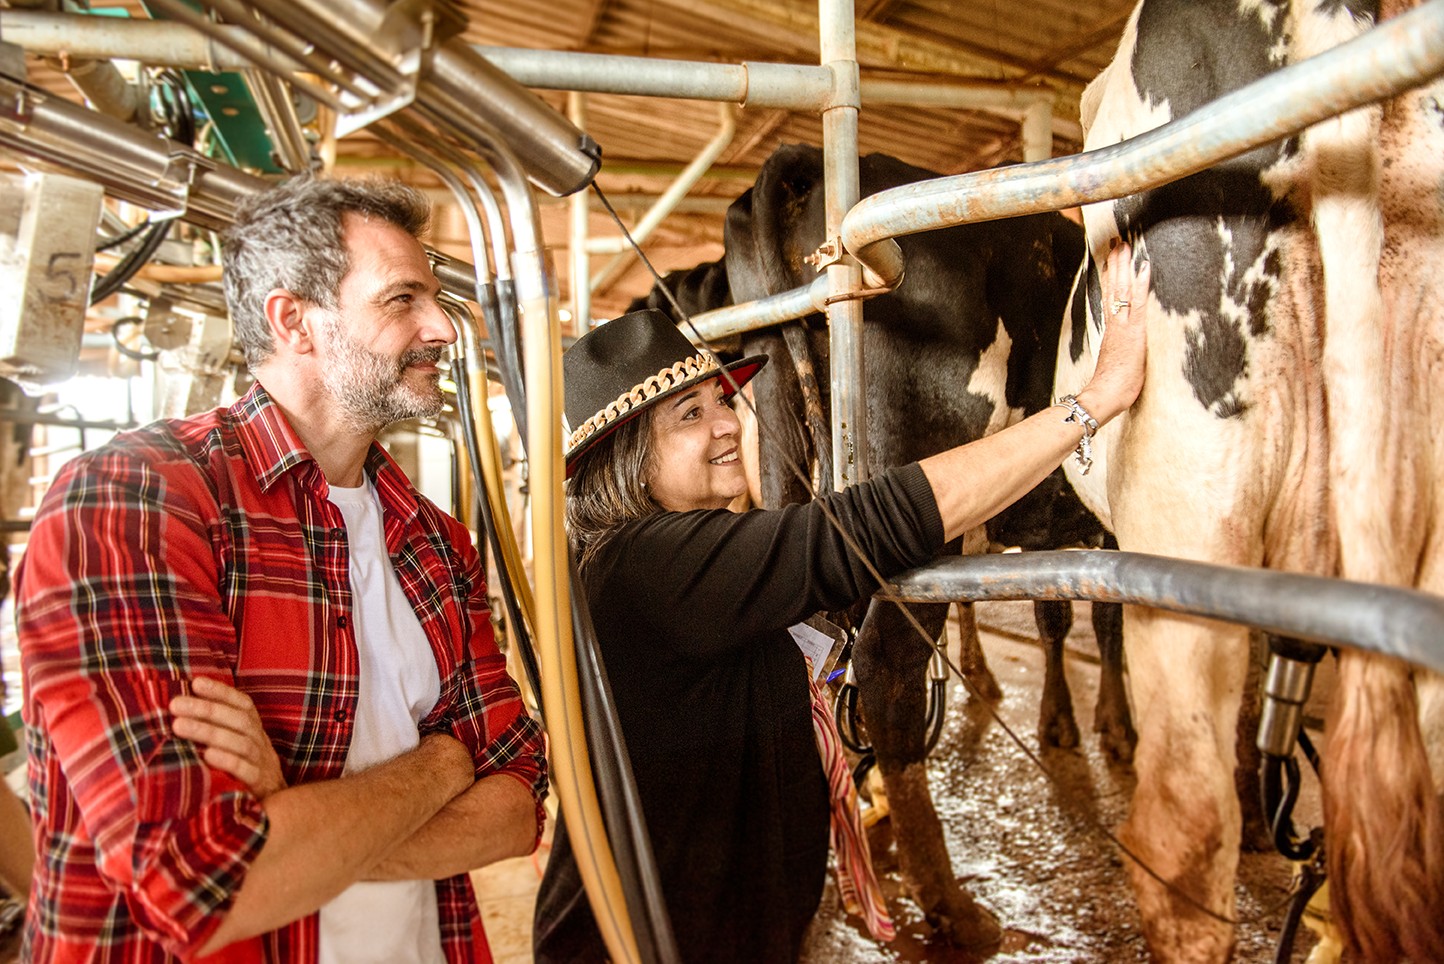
[[691, 611]]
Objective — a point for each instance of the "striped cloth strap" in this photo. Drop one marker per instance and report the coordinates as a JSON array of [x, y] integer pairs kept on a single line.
[[856, 882]]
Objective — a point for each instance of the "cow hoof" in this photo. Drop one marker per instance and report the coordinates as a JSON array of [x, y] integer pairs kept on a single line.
[[984, 686], [1116, 741], [971, 927], [1061, 731]]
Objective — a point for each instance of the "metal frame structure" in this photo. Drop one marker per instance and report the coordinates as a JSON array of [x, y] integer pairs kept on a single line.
[[450, 99]]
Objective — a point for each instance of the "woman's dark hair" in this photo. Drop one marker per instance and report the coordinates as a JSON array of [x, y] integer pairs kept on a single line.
[[608, 489]]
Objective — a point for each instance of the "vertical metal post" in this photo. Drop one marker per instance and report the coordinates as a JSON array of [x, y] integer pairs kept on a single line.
[[581, 262], [844, 318], [1038, 131]]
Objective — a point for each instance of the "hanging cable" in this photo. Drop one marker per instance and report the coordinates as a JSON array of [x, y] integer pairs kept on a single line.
[[173, 107]]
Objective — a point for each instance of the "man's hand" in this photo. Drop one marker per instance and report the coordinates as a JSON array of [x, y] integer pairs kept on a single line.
[[225, 722]]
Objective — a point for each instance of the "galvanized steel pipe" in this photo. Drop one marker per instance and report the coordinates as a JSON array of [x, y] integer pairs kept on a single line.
[[157, 174], [848, 375], [724, 323], [165, 43], [1403, 623], [1398, 54], [797, 87], [142, 168], [789, 86]]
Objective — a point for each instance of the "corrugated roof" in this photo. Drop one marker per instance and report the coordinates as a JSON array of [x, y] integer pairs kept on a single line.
[[1056, 43]]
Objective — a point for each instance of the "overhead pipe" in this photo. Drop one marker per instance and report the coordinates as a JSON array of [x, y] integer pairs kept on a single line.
[[726, 130], [842, 183], [472, 97], [166, 43], [796, 87], [144, 169], [102, 84], [750, 84], [1396, 55], [132, 165], [1403, 623]]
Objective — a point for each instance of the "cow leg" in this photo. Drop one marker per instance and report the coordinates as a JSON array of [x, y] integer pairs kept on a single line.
[[1184, 821], [1112, 719], [891, 663], [1056, 725], [972, 662]]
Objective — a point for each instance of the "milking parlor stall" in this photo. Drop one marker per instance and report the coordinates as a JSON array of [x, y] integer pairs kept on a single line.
[[1263, 518]]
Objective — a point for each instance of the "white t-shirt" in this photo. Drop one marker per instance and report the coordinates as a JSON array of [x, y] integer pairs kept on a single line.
[[386, 922]]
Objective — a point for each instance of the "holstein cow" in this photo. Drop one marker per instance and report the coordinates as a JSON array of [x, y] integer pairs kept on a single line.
[[964, 347], [1290, 418]]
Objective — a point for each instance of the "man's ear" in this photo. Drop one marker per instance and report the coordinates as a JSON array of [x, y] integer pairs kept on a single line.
[[289, 320]]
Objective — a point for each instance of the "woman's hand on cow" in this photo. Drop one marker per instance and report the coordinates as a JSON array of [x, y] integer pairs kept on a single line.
[[224, 721], [1118, 376]]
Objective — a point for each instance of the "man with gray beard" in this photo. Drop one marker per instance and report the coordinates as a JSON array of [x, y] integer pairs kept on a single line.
[[264, 707]]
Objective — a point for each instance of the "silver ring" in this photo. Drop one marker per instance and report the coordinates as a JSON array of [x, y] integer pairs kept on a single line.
[[1119, 306]]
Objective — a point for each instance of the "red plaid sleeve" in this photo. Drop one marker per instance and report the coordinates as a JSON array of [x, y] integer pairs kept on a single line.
[[488, 716], [117, 606]]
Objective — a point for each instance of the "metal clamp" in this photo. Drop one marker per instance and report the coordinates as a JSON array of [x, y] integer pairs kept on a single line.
[[829, 253], [1286, 689]]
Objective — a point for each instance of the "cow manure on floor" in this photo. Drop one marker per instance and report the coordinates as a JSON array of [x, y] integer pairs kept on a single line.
[[1029, 849]]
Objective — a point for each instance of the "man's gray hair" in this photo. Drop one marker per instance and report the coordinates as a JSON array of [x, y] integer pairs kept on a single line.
[[290, 237]]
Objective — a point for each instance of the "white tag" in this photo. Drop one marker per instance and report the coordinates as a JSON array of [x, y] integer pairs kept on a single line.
[[815, 645]]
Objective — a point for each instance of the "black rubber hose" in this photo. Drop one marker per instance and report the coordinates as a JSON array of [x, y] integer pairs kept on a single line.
[[125, 349], [617, 793], [127, 267], [524, 646], [937, 710], [859, 772], [845, 715], [123, 236], [506, 343], [1280, 789]]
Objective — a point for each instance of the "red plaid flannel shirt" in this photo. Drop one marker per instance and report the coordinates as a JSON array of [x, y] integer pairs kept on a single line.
[[207, 546]]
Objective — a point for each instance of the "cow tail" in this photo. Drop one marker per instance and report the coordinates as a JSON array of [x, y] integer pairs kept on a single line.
[[1385, 841]]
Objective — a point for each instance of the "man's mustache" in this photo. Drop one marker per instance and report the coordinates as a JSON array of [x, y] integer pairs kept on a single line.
[[420, 356]]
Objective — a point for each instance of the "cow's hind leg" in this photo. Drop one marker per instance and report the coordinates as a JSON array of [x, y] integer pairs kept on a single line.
[[1056, 725], [1183, 828], [891, 662], [971, 661], [1112, 719]]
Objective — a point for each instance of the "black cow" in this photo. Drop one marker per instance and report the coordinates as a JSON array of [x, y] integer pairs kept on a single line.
[[965, 346]]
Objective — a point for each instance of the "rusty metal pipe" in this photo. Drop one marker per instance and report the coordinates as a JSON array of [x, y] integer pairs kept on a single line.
[[1401, 53], [1403, 623]]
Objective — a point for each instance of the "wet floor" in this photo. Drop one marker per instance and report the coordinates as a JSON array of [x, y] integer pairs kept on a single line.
[[1032, 847]]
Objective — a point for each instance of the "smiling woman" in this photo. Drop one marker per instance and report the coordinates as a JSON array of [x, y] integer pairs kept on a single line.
[[692, 606]]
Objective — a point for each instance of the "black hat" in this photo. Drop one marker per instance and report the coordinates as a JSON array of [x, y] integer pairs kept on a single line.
[[614, 372]]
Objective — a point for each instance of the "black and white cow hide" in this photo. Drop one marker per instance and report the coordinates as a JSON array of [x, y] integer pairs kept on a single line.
[[1289, 418]]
